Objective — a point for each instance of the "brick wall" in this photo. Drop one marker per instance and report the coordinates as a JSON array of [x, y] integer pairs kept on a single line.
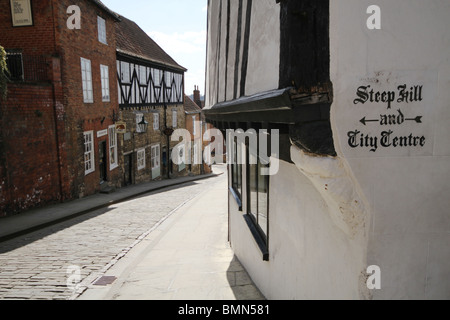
[[29, 158], [38, 113], [82, 117], [29, 166], [37, 39]]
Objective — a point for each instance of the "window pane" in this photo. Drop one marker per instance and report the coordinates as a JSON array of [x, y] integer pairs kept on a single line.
[[139, 118], [125, 70], [263, 193], [253, 190], [101, 30], [174, 119], [156, 121], [86, 76]]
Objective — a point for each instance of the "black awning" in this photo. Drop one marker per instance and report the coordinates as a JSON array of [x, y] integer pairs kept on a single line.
[[283, 106]]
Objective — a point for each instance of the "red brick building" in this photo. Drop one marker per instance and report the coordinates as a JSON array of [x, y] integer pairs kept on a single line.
[[57, 132]]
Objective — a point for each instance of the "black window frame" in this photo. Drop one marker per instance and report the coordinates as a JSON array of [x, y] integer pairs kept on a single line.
[[253, 219], [236, 175]]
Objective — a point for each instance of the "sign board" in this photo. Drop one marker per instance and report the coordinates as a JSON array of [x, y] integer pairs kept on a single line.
[[21, 13], [102, 133], [391, 115], [121, 127]]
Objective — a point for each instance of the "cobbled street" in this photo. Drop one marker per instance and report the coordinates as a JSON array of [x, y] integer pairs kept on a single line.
[[36, 266]]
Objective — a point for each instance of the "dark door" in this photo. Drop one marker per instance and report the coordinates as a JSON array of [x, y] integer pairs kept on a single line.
[[164, 162], [103, 162], [128, 169]]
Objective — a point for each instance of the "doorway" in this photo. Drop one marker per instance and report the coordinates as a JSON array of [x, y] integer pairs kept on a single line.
[[128, 166], [103, 162]]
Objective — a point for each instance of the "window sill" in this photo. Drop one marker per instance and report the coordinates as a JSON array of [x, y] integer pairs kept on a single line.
[[258, 239], [236, 197], [86, 173]]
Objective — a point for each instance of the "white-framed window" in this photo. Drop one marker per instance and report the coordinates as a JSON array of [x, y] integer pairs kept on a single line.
[[194, 125], [141, 159], [125, 72], [157, 77], [139, 117], [101, 30], [104, 73], [86, 76], [156, 121], [143, 75], [89, 160], [156, 157], [174, 118], [113, 152], [196, 156]]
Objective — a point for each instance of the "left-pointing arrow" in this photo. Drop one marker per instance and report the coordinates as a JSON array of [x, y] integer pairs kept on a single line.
[[364, 121]]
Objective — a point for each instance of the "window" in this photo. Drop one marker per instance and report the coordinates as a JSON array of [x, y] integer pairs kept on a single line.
[[197, 157], [156, 157], [86, 76], [156, 121], [89, 163], [14, 61], [174, 119], [236, 173], [101, 30], [141, 159], [258, 199], [113, 148], [139, 118], [142, 75], [104, 73], [125, 72], [157, 77]]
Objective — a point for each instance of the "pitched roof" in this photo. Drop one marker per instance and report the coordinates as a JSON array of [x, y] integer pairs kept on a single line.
[[100, 4], [190, 107], [133, 41]]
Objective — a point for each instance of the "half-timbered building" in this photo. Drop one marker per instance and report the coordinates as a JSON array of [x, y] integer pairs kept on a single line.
[[150, 91], [356, 206]]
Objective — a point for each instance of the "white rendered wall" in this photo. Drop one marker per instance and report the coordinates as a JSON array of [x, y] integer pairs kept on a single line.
[[224, 68], [310, 256], [406, 187], [264, 49]]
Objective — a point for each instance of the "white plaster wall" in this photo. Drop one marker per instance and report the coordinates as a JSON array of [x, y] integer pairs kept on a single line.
[[212, 51], [310, 256], [264, 49], [407, 188], [263, 54]]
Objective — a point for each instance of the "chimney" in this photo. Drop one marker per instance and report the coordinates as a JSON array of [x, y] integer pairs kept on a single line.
[[197, 99]]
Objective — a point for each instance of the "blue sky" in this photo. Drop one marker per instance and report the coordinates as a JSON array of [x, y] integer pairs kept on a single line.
[[178, 26]]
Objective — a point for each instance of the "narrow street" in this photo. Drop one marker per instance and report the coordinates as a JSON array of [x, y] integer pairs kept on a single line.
[[36, 266]]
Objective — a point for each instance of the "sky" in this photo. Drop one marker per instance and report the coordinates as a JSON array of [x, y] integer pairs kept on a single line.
[[178, 26]]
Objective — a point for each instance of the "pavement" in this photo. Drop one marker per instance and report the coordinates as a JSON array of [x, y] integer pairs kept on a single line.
[[186, 256]]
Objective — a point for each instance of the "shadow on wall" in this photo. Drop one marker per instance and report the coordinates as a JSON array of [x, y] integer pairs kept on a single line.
[[241, 283]]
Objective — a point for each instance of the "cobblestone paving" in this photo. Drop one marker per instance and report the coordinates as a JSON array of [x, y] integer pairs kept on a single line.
[[36, 266]]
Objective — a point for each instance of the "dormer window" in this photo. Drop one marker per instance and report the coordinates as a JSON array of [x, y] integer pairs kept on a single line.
[[101, 30]]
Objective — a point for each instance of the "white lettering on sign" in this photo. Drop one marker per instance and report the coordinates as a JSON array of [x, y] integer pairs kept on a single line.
[[374, 21], [74, 21]]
